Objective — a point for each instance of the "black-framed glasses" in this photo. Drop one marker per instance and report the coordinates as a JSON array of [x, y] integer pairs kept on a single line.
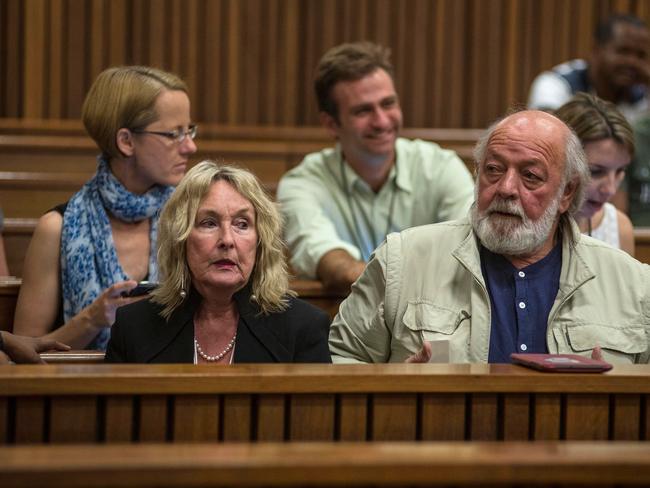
[[175, 135]]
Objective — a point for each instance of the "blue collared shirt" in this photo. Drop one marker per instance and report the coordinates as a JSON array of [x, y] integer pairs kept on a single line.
[[521, 300]]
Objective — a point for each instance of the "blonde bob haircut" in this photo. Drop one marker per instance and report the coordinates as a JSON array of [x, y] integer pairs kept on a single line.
[[124, 97], [270, 279]]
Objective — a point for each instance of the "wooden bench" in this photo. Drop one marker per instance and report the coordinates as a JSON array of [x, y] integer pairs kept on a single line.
[[42, 163], [18, 232], [310, 402], [28, 195], [326, 464], [311, 291]]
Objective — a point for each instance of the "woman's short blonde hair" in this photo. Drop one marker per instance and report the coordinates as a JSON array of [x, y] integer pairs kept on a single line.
[[270, 279], [124, 97]]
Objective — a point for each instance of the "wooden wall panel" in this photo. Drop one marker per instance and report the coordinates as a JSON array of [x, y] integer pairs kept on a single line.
[[153, 422], [394, 417], [353, 418], [458, 63], [196, 418], [237, 418], [312, 418], [4, 421], [118, 419], [29, 425], [270, 418], [73, 419], [444, 417]]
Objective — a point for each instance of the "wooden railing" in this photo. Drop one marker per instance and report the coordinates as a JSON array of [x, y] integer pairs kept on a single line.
[[42, 163], [80, 356], [311, 291], [18, 232], [509, 464], [289, 402]]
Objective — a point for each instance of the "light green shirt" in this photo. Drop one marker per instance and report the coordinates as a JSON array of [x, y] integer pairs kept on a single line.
[[327, 206]]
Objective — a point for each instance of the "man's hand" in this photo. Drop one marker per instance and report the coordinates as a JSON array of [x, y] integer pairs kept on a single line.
[[422, 356], [22, 349], [597, 354]]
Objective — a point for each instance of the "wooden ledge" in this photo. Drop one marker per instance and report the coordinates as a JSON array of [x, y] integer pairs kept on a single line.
[[171, 379], [327, 464], [69, 357]]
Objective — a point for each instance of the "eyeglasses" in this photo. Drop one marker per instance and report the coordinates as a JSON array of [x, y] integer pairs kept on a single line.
[[175, 135]]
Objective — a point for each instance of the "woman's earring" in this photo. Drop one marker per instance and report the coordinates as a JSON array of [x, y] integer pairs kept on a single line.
[[183, 293]]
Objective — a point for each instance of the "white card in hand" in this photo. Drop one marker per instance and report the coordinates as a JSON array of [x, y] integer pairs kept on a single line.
[[439, 351]]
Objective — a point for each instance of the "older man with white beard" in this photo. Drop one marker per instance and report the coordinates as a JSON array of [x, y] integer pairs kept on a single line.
[[516, 276]]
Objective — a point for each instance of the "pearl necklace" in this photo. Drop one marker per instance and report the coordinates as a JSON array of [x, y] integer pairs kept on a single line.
[[216, 357]]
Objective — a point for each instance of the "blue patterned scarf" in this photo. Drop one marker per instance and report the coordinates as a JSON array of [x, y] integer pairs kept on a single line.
[[89, 261]]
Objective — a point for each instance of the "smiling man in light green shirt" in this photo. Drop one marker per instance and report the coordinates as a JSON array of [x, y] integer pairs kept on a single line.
[[340, 203]]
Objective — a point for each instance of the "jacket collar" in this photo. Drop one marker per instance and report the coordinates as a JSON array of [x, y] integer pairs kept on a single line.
[[575, 271], [176, 335], [257, 339]]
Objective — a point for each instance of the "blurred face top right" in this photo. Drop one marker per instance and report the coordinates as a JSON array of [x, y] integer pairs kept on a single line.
[[621, 54]]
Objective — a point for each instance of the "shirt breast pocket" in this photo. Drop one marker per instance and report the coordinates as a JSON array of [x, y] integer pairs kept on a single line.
[[434, 322], [618, 344]]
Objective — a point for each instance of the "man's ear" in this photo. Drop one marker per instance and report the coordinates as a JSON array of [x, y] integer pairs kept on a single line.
[[330, 124], [124, 141], [568, 195]]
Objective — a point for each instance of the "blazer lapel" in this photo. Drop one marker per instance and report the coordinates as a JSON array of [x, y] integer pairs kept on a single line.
[[255, 340], [172, 341]]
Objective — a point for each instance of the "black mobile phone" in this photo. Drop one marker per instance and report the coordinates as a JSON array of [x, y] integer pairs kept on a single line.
[[142, 288]]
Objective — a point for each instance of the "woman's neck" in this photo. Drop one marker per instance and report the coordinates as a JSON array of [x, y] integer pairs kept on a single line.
[[215, 309], [124, 169]]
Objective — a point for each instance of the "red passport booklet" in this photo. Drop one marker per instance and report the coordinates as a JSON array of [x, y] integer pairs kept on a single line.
[[561, 363]]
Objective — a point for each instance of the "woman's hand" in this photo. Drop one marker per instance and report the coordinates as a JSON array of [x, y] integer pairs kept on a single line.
[[21, 349], [101, 313]]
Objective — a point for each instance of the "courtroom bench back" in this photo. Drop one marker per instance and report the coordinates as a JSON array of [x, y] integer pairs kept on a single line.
[[291, 402]]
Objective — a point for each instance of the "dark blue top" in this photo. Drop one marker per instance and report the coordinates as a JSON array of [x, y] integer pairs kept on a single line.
[[521, 300]]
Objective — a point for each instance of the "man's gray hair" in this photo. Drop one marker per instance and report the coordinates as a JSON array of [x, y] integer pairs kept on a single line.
[[576, 170]]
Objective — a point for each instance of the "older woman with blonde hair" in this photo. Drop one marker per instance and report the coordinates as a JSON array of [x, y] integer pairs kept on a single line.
[[224, 295], [608, 141]]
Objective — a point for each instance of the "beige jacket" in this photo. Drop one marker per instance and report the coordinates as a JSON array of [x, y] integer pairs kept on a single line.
[[425, 284]]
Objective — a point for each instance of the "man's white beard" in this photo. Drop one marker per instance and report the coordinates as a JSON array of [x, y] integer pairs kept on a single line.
[[516, 235]]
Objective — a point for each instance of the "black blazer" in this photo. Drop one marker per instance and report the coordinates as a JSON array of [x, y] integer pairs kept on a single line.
[[297, 335]]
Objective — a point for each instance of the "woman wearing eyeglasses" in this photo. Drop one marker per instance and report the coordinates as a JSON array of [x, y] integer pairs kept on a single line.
[[86, 254]]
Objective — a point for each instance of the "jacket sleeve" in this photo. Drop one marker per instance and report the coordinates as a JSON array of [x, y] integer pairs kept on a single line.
[[359, 333]]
